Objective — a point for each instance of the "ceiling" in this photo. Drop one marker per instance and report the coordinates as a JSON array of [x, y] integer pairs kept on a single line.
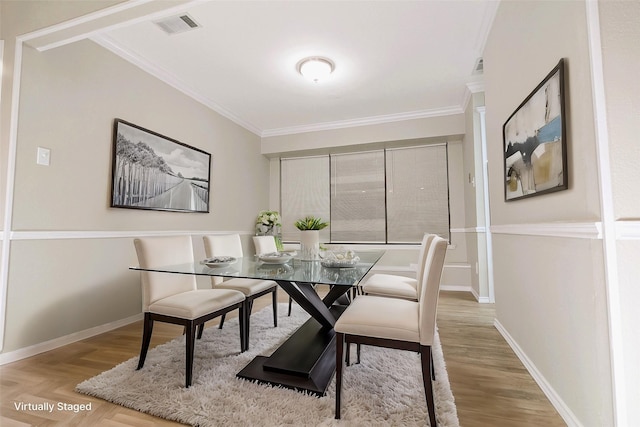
[[394, 60]]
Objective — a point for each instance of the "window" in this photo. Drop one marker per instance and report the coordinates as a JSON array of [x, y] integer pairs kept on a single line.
[[383, 196]]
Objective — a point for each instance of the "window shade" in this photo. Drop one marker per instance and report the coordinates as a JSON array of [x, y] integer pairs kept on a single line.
[[417, 193], [358, 197], [304, 191]]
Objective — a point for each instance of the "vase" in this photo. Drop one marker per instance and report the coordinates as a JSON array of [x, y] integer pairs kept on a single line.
[[275, 231], [309, 244]]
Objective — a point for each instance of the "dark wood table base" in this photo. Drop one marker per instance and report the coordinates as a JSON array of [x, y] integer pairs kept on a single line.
[[310, 370]]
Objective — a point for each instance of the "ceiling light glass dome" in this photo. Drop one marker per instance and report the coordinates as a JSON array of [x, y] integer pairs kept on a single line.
[[315, 68]]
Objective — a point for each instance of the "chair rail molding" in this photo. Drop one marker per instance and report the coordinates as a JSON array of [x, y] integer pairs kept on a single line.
[[469, 230], [628, 230], [60, 235], [577, 230]]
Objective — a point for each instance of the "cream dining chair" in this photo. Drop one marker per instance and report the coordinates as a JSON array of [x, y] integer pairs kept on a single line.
[[175, 298], [266, 245], [396, 323], [391, 285], [230, 245]]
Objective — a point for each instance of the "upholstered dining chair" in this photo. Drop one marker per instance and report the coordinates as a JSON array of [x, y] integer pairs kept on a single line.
[[230, 245], [396, 323], [391, 285], [266, 245], [175, 298]]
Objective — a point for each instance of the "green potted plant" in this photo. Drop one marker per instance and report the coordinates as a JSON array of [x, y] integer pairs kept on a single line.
[[310, 227], [310, 223]]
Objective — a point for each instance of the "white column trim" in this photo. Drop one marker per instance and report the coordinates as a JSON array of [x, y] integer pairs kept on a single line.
[[487, 208], [10, 181], [612, 284]]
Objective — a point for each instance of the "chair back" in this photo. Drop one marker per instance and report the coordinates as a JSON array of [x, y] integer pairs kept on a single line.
[[265, 244], [160, 251], [422, 259], [428, 298], [222, 245]]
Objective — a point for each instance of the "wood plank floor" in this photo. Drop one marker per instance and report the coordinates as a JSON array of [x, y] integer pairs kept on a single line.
[[490, 385]]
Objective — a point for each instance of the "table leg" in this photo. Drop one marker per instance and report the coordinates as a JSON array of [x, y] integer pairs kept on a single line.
[[307, 297], [306, 360]]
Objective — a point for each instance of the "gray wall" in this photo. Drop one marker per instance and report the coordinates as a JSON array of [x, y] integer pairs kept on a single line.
[[556, 300], [69, 251]]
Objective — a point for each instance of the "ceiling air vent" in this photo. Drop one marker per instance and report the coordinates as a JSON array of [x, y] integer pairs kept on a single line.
[[178, 24], [479, 67]]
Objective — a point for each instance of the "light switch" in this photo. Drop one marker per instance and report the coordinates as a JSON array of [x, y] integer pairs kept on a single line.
[[44, 156]]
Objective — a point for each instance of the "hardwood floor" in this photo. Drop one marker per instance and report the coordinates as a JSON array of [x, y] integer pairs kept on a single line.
[[490, 385]]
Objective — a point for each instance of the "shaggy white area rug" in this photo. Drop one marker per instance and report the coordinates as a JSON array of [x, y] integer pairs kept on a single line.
[[385, 389]]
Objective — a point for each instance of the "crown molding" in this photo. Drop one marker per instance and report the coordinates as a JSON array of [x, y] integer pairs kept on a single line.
[[75, 29], [117, 16], [469, 89], [364, 121], [475, 87], [166, 77]]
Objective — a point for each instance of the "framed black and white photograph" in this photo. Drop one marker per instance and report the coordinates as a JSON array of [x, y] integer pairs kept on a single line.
[[535, 143], [153, 171]]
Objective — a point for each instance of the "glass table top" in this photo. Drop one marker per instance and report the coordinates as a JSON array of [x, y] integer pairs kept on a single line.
[[294, 270]]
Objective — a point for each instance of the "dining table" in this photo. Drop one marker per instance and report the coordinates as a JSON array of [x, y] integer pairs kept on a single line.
[[305, 361]]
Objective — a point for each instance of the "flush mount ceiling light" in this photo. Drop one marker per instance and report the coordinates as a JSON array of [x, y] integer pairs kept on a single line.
[[315, 68]]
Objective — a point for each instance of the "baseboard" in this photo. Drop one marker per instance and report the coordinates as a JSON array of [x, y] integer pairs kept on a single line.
[[565, 412], [33, 350], [476, 295]]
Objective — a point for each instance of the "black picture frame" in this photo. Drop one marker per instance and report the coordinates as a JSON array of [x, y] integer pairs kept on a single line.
[[535, 141], [154, 172]]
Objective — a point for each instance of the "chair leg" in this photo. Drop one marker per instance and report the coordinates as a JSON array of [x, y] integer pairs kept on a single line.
[[146, 339], [247, 322], [339, 363], [348, 354], [275, 307], [200, 330], [190, 346], [221, 321], [427, 361], [290, 301], [243, 326], [433, 369], [357, 354]]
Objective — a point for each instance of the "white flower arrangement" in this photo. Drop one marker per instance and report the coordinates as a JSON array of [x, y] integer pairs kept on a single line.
[[268, 222]]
